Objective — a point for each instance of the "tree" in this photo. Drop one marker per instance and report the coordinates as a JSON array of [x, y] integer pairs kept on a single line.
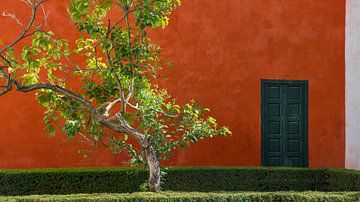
[[118, 103]]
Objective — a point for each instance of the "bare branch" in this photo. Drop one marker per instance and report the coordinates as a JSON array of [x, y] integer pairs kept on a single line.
[[27, 2], [85, 138], [111, 105], [45, 14], [13, 17], [133, 106], [35, 5]]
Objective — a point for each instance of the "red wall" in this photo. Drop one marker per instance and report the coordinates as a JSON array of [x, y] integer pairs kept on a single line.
[[220, 51]]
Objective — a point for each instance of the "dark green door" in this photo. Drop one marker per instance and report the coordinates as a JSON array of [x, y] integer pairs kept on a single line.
[[284, 123]]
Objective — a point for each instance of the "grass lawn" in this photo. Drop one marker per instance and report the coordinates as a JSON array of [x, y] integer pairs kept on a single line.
[[196, 196]]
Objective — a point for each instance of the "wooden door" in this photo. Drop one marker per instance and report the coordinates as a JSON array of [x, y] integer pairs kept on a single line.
[[284, 123]]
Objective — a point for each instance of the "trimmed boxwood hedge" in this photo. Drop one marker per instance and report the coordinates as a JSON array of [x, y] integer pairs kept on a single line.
[[68, 181], [202, 179], [194, 196], [246, 179]]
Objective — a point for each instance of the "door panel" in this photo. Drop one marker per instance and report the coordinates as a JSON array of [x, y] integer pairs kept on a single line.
[[284, 123]]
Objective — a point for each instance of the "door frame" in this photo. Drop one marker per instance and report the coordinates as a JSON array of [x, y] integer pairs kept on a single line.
[[305, 83]]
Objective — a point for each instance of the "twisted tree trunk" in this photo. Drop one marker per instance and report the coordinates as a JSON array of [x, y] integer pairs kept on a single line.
[[154, 168], [145, 141]]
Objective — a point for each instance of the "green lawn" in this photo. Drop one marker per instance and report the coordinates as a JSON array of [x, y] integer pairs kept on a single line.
[[196, 196]]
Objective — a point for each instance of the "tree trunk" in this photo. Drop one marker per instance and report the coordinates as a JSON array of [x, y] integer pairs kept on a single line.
[[154, 169]]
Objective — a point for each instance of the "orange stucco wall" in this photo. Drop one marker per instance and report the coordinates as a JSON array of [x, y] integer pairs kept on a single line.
[[220, 51]]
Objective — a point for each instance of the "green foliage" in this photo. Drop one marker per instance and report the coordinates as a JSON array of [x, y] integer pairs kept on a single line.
[[68, 181], [120, 64], [44, 54], [195, 197], [248, 179], [133, 61], [344, 180], [203, 179]]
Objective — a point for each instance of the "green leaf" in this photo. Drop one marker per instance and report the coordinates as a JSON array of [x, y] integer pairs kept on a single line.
[[30, 79], [51, 129]]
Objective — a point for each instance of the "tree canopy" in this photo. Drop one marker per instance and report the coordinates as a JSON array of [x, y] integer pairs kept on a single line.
[[113, 86]]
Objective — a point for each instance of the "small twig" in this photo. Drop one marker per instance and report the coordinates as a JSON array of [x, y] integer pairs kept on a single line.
[[96, 58], [103, 105], [82, 135], [27, 2], [111, 28], [167, 115], [133, 106], [13, 17], [6, 60], [131, 92], [46, 14], [85, 69]]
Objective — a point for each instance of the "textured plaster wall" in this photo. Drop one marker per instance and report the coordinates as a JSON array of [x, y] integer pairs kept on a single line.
[[220, 50], [353, 84]]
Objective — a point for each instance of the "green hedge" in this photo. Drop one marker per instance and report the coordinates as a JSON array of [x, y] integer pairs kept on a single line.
[[246, 179], [202, 179], [68, 181], [194, 196], [343, 180]]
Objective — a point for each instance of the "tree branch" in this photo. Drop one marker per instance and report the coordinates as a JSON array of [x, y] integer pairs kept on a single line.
[[111, 28], [167, 114], [6, 60], [13, 17], [25, 34], [131, 130], [109, 106], [131, 92], [123, 128], [58, 89], [8, 85]]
